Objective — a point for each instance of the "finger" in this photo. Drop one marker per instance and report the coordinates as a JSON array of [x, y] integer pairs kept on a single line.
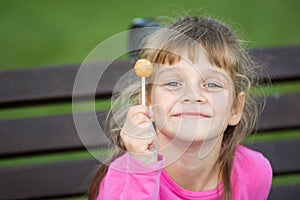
[[138, 145], [140, 132], [141, 128], [139, 119], [133, 110]]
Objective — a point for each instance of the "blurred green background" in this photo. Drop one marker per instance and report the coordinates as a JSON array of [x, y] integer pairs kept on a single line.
[[37, 33]]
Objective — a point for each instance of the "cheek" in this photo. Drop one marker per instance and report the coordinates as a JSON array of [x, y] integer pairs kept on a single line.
[[162, 103], [221, 102], [222, 109], [163, 99]]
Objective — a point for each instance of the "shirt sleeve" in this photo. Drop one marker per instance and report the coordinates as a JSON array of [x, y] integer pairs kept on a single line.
[[263, 180], [129, 179], [252, 175]]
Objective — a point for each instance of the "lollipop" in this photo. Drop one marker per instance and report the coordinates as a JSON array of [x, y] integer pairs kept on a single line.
[[143, 69]]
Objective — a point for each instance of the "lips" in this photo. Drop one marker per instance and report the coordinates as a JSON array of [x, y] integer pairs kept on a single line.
[[191, 115]]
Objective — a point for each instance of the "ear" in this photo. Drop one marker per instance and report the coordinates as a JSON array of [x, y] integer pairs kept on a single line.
[[237, 109]]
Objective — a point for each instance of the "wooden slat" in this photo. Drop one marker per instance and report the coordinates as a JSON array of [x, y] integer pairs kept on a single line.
[[285, 192], [281, 63], [281, 112], [283, 154], [52, 133], [37, 83], [42, 84], [47, 180]]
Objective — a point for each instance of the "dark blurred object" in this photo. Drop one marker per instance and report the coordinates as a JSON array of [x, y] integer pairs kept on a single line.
[[138, 30]]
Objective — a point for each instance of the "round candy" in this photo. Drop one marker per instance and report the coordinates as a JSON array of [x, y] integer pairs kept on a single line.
[[143, 68]]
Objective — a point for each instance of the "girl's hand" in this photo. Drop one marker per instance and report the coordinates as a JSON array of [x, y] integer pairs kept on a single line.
[[138, 135]]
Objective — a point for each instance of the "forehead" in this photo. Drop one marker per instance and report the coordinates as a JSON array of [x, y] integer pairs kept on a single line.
[[197, 65]]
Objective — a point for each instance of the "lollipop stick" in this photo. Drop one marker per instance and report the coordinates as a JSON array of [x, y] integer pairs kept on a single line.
[[143, 69], [143, 92]]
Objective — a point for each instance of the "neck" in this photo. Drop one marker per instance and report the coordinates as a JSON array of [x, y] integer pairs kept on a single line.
[[192, 166]]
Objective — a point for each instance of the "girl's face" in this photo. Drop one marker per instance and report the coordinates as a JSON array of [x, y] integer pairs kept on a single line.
[[193, 101]]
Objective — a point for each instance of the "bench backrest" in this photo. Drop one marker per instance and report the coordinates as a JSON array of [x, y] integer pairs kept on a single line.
[[42, 155]]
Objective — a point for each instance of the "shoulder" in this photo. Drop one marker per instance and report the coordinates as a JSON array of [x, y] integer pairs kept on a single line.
[[251, 169], [251, 160]]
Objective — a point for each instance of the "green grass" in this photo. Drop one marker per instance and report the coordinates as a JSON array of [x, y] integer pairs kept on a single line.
[[53, 109], [278, 88], [50, 32], [286, 180], [52, 158], [274, 136]]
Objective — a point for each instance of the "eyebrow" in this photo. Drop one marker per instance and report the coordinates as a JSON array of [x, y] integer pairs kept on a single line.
[[167, 69], [220, 73]]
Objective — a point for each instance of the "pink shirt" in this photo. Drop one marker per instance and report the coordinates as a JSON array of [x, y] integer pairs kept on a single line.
[[129, 179]]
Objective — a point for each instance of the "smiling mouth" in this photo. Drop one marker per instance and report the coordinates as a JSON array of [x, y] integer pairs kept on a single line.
[[191, 115]]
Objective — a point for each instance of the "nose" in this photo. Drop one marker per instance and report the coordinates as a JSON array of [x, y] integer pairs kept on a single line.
[[194, 95]]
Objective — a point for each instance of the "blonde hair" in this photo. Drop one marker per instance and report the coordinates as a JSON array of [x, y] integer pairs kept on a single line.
[[224, 50]]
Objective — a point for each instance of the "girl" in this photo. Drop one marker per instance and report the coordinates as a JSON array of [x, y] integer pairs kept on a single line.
[[185, 143]]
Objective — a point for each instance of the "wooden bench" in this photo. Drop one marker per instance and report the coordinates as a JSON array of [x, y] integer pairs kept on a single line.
[[43, 157]]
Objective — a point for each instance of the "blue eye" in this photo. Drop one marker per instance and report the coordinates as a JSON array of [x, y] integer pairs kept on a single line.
[[173, 84], [212, 85]]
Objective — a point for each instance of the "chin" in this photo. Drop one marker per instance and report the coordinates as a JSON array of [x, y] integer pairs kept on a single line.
[[190, 132]]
